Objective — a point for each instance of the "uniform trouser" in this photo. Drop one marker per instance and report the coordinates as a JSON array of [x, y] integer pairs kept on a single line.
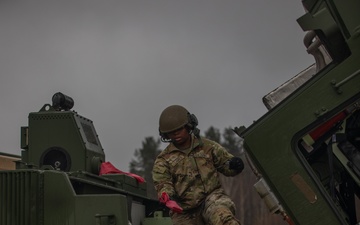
[[217, 209]]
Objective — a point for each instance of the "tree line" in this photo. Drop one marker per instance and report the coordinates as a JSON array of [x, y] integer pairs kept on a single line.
[[250, 209]]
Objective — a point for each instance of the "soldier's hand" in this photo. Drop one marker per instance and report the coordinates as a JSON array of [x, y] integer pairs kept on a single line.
[[174, 206], [236, 164], [164, 198]]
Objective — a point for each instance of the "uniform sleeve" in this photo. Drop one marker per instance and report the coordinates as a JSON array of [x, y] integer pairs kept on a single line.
[[162, 177], [221, 157]]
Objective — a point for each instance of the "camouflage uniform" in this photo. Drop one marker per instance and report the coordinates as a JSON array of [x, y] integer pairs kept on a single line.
[[190, 177]]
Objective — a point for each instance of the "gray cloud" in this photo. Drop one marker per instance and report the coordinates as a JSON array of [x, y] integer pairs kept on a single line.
[[123, 62]]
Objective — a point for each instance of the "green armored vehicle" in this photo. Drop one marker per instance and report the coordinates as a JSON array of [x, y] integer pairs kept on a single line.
[[305, 150], [57, 180]]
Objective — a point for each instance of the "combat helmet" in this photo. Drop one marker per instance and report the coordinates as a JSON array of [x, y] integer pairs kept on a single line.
[[175, 117]]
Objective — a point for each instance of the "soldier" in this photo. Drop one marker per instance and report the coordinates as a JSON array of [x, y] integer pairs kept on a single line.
[[186, 172]]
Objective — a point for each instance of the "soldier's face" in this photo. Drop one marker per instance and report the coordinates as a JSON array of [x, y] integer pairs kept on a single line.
[[180, 137]]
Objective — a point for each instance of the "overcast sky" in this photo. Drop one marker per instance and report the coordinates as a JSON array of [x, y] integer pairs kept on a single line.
[[124, 61]]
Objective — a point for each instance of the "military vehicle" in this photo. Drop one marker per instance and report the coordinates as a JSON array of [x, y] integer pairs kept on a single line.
[[59, 181], [305, 150]]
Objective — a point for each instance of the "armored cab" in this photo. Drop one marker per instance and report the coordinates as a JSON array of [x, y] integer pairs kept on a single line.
[[308, 159], [58, 181]]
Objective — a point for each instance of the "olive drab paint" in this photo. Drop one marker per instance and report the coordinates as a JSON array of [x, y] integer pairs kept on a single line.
[[57, 179], [306, 149]]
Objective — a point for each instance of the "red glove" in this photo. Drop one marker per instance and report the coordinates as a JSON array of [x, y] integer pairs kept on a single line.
[[164, 198]]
